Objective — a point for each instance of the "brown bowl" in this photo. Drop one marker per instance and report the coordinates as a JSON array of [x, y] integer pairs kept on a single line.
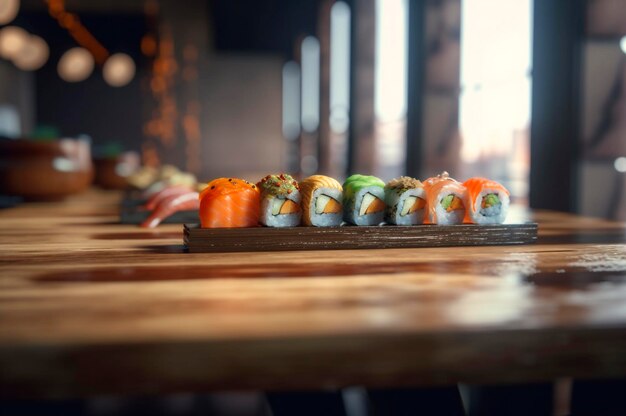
[[45, 170], [111, 172]]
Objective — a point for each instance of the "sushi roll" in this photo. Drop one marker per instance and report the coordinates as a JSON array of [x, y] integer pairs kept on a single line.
[[280, 201], [321, 206], [363, 200], [488, 201], [445, 200], [229, 203], [405, 198]]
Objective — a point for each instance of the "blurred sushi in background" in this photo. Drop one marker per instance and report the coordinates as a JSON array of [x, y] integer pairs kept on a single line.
[[280, 201], [230, 203], [151, 180], [321, 201], [445, 200], [167, 203], [363, 200], [406, 200], [488, 201]]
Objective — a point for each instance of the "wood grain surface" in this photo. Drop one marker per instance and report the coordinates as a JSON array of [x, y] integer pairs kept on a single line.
[[225, 240], [89, 306]]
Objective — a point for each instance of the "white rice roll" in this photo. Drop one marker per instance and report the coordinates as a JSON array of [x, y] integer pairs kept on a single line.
[[491, 215], [270, 211], [446, 201], [321, 201], [405, 198], [399, 206], [488, 201], [356, 214], [363, 200], [280, 201], [318, 218]]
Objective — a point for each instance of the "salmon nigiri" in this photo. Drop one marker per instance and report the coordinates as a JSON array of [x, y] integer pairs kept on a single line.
[[230, 203], [488, 201]]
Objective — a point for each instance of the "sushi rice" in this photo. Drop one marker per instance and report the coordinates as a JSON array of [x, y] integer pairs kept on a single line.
[[405, 198], [271, 219], [363, 200], [280, 201], [322, 219], [495, 214], [446, 199], [321, 201], [488, 201], [444, 216]]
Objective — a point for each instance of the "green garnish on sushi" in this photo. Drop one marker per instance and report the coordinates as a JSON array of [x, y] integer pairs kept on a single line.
[[279, 190], [490, 200], [275, 185], [355, 183]]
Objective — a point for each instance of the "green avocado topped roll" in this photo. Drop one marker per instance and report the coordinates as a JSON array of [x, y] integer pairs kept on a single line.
[[363, 200]]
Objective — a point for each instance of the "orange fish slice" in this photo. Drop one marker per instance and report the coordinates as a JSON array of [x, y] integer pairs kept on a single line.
[[230, 203], [474, 187]]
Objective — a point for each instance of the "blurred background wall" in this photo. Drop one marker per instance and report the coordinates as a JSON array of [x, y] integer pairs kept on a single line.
[[388, 87], [603, 112]]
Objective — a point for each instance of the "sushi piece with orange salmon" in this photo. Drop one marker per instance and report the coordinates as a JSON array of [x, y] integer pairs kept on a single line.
[[445, 200], [488, 201], [280, 201], [321, 201], [230, 203]]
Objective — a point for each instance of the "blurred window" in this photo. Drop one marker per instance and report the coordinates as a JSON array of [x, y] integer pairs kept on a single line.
[[496, 54], [339, 118], [390, 94], [291, 100]]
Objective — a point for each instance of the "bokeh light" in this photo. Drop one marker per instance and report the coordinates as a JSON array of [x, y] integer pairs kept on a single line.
[[75, 65], [8, 10], [12, 39], [118, 70], [33, 54]]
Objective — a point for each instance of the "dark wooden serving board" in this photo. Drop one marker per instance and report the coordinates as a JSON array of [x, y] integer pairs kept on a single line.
[[137, 215], [211, 240]]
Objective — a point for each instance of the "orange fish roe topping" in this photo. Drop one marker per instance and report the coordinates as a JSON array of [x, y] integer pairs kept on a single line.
[[223, 186]]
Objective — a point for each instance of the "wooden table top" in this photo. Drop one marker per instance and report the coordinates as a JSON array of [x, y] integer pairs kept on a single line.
[[88, 306]]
